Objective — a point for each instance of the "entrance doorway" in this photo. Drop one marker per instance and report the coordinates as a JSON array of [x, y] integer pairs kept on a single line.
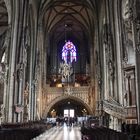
[[69, 113]]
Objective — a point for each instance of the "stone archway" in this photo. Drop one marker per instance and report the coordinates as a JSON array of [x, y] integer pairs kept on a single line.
[[61, 98]]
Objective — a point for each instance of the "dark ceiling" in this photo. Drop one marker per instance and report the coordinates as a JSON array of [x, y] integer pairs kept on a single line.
[[78, 16], [68, 19]]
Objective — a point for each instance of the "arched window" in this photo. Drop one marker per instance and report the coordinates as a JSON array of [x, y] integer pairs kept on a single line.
[[69, 52]]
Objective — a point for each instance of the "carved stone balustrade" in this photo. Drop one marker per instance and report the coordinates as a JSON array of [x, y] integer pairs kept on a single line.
[[131, 112], [114, 109], [56, 92]]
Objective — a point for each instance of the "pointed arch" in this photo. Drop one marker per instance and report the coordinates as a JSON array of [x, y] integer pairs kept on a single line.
[[76, 99]]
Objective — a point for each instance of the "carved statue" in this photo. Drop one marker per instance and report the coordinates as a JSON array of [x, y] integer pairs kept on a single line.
[[109, 55], [2, 39], [107, 40], [127, 9], [20, 71], [27, 37], [6, 39], [111, 69], [125, 99], [138, 37], [26, 44], [127, 13], [26, 102], [1, 112], [26, 91], [2, 72]]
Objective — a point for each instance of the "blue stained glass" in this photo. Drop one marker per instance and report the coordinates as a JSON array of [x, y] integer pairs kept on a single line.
[[69, 52]]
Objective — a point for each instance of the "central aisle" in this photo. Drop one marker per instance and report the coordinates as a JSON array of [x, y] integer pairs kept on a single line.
[[61, 133]]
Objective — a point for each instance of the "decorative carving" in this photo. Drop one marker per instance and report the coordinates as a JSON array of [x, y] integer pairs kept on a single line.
[[127, 13], [2, 39], [109, 55], [137, 23], [27, 37], [127, 10], [111, 69], [26, 113], [107, 35], [114, 109], [2, 73], [80, 92], [2, 110], [18, 108], [26, 102], [66, 71], [26, 44], [125, 98], [26, 93], [3, 65], [129, 87], [68, 90], [124, 44], [20, 71]]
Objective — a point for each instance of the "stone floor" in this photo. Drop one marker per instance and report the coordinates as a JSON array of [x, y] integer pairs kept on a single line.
[[61, 133]]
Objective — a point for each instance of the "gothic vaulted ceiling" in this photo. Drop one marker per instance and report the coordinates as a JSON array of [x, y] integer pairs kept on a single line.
[[74, 16]]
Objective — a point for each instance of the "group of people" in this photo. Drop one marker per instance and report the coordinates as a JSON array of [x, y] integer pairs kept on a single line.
[[69, 121]]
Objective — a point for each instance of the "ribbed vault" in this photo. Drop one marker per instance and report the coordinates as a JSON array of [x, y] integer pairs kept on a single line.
[[68, 20], [58, 11]]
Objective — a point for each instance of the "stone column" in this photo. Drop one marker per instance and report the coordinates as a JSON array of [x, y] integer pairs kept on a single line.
[[30, 106], [40, 71], [118, 55], [16, 66], [106, 88], [135, 23], [136, 27], [20, 87], [92, 76], [32, 65], [12, 60]]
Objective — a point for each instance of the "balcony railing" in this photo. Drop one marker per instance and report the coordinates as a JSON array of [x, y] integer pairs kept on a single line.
[[110, 108], [79, 92], [131, 112], [62, 90], [114, 108]]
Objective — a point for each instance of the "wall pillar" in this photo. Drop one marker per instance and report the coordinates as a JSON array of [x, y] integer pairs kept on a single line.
[[135, 22], [12, 62], [16, 61]]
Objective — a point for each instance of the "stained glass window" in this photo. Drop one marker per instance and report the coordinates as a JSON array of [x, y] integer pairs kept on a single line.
[[69, 52]]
